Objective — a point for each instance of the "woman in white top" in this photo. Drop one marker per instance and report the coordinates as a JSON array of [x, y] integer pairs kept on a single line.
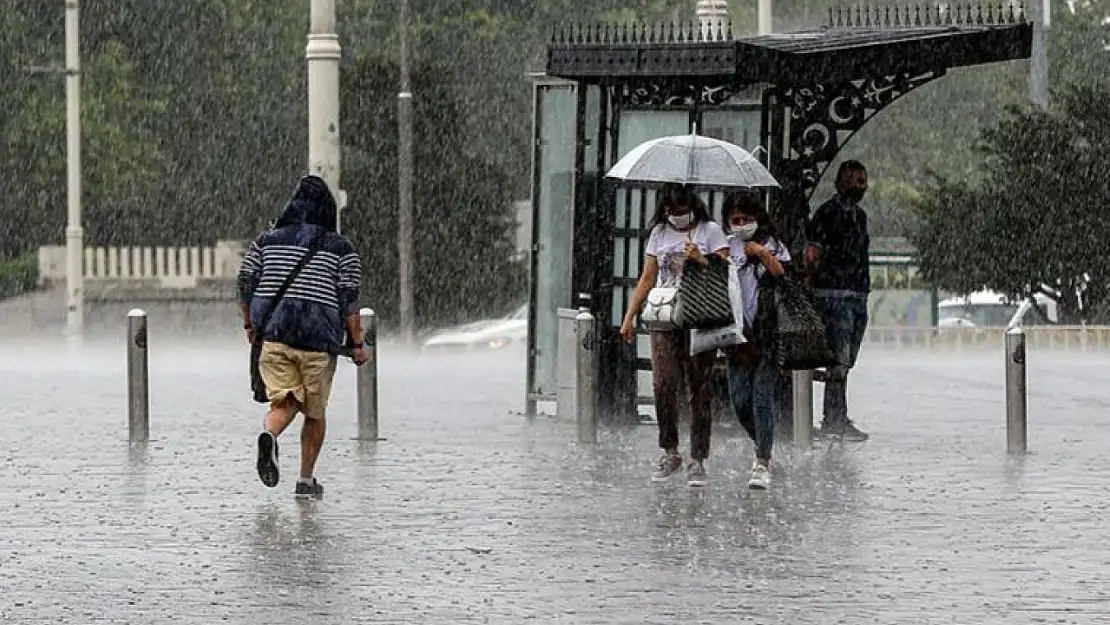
[[752, 374], [681, 229]]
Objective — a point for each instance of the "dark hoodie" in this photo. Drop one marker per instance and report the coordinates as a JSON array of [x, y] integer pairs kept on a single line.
[[311, 314]]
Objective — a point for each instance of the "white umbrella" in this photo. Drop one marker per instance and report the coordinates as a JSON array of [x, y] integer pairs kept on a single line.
[[695, 160]]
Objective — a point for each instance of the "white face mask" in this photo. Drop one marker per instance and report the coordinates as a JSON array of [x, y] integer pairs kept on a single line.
[[746, 232], [681, 221]]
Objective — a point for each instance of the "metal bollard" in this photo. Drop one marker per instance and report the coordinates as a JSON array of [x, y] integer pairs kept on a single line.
[[138, 378], [367, 379], [803, 407], [586, 386], [1016, 399]]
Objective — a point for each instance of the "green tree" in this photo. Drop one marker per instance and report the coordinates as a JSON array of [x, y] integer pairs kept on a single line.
[[1032, 219], [121, 158], [462, 203]]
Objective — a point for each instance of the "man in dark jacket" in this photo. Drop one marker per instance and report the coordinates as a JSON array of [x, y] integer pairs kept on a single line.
[[837, 258], [308, 325]]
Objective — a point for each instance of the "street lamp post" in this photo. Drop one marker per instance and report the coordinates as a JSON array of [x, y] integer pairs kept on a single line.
[[404, 175], [765, 20], [323, 54], [75, 235], [1038, 59]]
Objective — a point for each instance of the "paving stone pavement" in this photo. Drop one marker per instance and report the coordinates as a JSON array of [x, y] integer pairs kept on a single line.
[[470, 513]]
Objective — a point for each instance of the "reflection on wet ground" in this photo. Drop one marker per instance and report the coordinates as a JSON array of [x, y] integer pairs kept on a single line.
[[468, 513]]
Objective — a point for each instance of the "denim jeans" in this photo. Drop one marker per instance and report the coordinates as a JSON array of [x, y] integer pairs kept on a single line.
[[752, 392], [845, 324]]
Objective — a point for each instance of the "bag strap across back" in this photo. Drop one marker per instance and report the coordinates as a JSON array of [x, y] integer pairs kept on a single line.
[[313, 247]]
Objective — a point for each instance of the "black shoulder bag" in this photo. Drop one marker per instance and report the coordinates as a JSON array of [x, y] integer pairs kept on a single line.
[[258, 386]]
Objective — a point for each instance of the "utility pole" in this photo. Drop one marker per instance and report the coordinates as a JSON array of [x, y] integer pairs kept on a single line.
[[1038, 62], [766, 23], [75, 235], [322, 54], [404, 181]]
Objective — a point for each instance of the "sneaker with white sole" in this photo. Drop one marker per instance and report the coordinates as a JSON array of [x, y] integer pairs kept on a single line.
[[267, 459], [696, 475], [668, 465], [761, 477]]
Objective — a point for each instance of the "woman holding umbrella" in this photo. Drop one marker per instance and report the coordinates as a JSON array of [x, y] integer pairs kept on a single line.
[[680, 230]]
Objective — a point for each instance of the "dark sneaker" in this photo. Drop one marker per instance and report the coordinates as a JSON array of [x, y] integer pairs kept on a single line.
[[308, 491], [668, 465], [820, 375], [845, 432], [267, 459], [696, 475]]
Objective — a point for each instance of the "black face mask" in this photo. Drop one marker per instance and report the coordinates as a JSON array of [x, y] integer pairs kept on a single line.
[[853, 195]]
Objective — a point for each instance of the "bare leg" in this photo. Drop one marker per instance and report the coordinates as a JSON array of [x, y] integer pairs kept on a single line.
[[281, 416], [312, 440]]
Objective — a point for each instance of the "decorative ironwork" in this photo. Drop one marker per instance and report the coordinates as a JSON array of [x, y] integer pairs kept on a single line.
[[675, 93], [989, 14], [641, 33], [823, 118]]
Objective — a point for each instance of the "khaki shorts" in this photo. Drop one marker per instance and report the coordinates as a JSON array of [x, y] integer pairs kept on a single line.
[[307, 376]]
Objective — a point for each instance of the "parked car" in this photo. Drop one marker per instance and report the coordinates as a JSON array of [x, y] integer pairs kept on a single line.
[[511, 329], [987, 309]]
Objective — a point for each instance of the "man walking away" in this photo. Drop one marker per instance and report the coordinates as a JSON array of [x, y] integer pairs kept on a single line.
[[305, 328], [837, 258]]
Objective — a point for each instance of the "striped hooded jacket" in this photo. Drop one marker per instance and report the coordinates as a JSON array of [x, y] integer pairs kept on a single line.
[[311, 314]]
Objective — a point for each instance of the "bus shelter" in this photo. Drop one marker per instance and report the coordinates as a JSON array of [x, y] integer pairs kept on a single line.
[[793, 98]]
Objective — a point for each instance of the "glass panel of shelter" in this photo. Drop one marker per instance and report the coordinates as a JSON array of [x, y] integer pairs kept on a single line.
[[556, 105]]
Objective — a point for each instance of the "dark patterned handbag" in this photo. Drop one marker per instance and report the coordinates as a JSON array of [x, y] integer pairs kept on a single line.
[[703, 301], [789, 323]]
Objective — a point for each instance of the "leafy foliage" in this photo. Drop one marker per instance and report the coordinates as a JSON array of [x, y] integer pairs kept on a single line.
[[463, 224], [19, 275], [1036, 216]]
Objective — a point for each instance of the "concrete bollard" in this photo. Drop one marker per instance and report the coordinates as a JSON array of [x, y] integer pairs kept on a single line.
[[1016, 398], [367, 379], [138, 378], [803, 407], [586, 402]]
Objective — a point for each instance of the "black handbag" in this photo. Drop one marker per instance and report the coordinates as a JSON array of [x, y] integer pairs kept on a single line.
[[703, 302], [791, 326], [258, 385]]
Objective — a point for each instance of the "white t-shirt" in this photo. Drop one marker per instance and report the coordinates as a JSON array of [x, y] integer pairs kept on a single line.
[[751, 270], [667, 245]]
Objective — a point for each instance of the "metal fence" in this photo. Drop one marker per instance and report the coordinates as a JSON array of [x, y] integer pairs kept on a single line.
[[1073, 338]]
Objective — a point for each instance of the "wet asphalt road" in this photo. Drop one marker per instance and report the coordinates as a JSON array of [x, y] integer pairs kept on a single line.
[[469, 513]]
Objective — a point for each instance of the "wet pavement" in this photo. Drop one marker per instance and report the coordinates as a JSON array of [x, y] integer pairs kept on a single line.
[[470, 513]]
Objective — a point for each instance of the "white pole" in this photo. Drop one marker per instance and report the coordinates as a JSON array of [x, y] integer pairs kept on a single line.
[[1038, 61], [766, 24], [323, 53], [75, 235], [404, 182]]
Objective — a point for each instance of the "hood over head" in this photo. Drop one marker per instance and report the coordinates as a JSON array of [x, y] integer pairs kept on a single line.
[[312, 203]]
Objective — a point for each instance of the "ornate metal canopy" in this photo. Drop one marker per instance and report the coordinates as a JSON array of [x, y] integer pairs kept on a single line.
[[853, 45]]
